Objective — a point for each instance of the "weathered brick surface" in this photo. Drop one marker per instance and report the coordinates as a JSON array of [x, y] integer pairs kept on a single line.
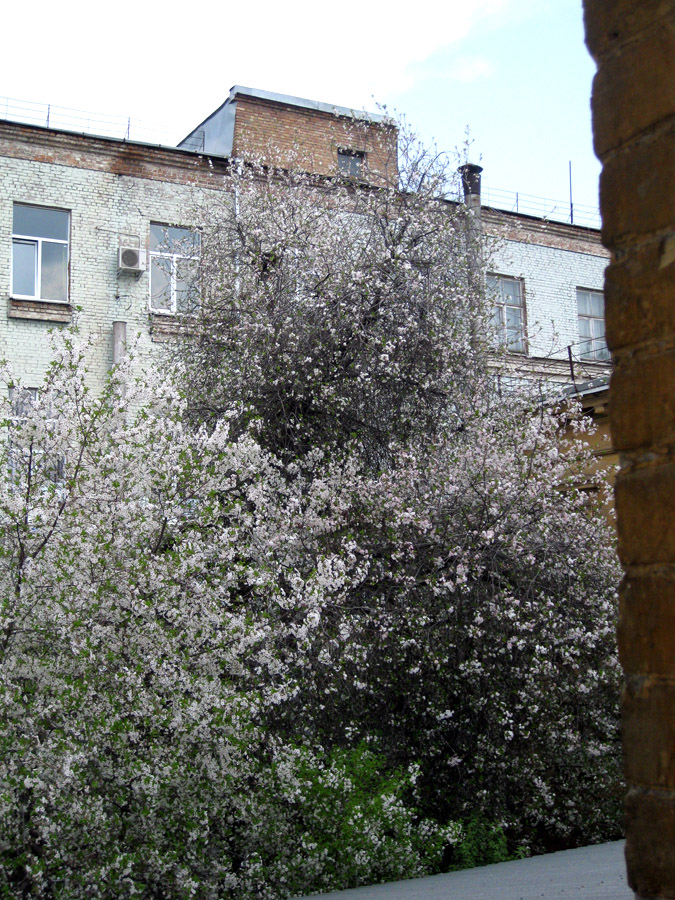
[[611, 25], [634, 127], [634, 186], [636, 88], [650, 843], [42, 312], [639, 420], [649, 732], [645, 500], [306, 138], [510, 226], [647, 623], [642, 286], [109, 155]]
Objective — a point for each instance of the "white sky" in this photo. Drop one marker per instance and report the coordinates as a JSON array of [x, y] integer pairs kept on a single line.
[[516, 72]]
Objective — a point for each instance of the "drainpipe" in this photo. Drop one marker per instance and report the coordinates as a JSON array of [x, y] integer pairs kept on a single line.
[[119, 339]]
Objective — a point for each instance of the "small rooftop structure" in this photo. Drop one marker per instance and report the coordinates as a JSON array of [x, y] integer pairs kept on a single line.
[[279, 129]]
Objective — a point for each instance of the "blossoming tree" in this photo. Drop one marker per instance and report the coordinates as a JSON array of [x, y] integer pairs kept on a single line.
[[134, 674], [286, 614], [463, 616]]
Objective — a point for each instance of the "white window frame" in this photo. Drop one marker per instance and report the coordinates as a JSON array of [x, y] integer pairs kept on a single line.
[[174, 258], [33, 240], [500, 304], [597, 344]]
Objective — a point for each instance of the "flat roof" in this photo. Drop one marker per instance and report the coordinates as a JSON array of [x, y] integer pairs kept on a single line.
[[238, 90], [318, 105]]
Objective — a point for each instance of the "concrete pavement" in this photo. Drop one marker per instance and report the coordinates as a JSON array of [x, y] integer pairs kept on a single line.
[[589, 873]]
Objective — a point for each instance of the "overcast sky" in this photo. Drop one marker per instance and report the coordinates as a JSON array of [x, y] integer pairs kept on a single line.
[[515, 72]]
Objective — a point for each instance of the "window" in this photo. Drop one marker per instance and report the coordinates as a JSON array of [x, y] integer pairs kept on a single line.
[[351, 162], [591, 309], [508, 314], [44, 459], [174, 270], [40, 253]]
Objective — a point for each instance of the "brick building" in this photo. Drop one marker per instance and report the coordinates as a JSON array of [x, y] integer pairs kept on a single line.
[[288, 131], [85, 198], [85, 219], [546, 281], [550, 278]]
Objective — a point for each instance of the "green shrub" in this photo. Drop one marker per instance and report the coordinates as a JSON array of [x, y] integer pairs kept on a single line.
[[481, 843], [338, 821]]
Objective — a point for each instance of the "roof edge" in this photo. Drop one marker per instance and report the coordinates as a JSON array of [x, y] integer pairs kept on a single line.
[[317, 105]]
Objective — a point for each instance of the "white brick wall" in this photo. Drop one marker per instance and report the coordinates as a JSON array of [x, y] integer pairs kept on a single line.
[[102, 206], [550, 277], [79, 175]]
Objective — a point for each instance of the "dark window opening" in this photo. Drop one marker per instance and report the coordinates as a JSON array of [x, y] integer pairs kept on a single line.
[[351, 162]]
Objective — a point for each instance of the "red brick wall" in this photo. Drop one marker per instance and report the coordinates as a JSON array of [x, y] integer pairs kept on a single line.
[[543, 232], [107, 155], [308, 139]]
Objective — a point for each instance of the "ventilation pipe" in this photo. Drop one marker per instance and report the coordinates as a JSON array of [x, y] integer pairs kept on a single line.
[[476, 276], [471, 184]]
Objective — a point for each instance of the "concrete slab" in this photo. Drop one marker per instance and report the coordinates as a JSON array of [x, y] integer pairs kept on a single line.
[[589, 873]]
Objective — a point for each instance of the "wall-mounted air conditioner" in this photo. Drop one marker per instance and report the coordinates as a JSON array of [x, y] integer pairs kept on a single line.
[[131, 260]]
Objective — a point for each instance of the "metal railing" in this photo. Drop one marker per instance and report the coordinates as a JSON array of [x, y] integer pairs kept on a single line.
[[133, 129], [541, 207], [581, 353], [62, 117]]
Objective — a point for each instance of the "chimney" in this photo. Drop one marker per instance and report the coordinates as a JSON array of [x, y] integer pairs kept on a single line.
[[471, 183]]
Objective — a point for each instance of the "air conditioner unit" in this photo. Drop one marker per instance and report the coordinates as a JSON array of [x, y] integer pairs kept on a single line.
[[131, 259]]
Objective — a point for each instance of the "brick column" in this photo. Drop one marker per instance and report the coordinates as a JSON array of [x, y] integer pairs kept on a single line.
[[633, 43]]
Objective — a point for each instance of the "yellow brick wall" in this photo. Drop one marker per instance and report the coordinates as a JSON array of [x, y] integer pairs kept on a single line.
[[633, 42]]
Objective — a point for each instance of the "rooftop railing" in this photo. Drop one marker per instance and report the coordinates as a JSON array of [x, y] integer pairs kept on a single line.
[[66, 119], [132, 129], [541, 207]]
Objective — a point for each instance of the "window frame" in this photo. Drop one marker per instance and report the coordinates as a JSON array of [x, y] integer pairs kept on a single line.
[[499, 303], [349, 153], [174, 258], [594, 353], [38, 242], [22, 399]]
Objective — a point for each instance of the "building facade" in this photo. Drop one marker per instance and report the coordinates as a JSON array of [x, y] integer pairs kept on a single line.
[[546, 282], [104, 230], [71, 204]]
